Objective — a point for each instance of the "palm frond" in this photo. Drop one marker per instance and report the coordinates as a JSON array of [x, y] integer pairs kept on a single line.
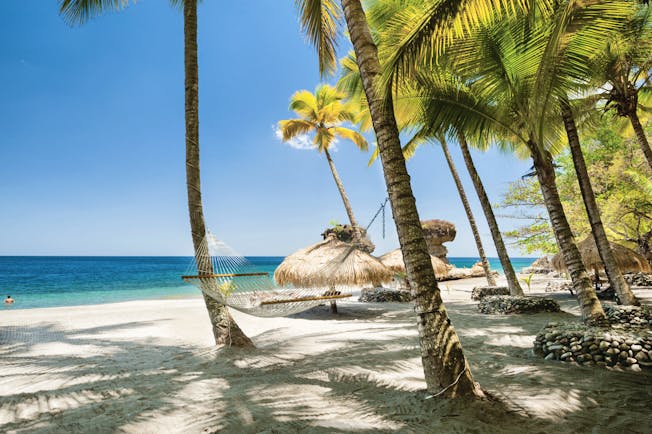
[[80, 11], [293, 127], [417, 139], [320, 21], [417, 34], [304, 103], [351, 135]]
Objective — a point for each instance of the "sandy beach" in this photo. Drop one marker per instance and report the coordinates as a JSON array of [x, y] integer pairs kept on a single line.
[[150, 367]]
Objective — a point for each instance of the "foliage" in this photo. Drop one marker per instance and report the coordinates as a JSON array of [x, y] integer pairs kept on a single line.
[[621, 182], [528, 281], [322, 113]]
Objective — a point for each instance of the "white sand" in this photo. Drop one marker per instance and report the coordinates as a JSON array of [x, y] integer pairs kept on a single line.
[[149, 366]]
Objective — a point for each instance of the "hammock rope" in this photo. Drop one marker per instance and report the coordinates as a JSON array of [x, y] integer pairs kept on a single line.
[[232, 280]]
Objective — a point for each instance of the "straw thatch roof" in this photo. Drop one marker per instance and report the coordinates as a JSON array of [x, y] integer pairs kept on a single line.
[[331, 263], [627, 259], [394, 261]]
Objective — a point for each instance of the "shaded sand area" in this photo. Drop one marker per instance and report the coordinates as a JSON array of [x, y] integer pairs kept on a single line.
[[148, 366]]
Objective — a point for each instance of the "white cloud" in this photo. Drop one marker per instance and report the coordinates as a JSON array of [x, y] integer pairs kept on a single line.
[[302, 141]]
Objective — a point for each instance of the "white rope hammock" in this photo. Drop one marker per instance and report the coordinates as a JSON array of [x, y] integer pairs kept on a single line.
[[232, 280]]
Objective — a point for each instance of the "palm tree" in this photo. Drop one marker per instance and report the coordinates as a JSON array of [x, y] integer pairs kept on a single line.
[[406, 113], [625, 294], [322, 114], [467, 208], [409, 116], [225, 329], [501, 250], [516, 68], [624, 67], [445, 367]]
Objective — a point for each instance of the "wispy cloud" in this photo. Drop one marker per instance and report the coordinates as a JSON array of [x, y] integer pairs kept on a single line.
[[302, 141]]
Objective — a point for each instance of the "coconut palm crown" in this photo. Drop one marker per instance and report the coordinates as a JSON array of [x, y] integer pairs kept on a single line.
[[322, 115]]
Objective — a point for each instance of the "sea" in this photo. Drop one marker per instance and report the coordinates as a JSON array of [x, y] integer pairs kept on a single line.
[[52, 281]]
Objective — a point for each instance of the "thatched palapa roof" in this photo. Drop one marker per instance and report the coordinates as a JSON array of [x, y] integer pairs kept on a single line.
[[331, 263], [627, 259], [394, 261]]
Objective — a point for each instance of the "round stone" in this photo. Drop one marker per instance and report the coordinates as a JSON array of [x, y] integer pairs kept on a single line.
[[642, 357]]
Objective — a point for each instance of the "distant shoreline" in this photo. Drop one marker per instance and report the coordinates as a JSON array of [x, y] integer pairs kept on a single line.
[[53, 281]]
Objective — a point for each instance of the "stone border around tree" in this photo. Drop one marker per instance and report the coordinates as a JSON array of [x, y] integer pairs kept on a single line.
[[507, 304], [384, 295], [593, 346], [480, 292]]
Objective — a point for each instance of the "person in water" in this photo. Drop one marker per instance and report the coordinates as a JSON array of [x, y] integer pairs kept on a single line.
[[9, 300]]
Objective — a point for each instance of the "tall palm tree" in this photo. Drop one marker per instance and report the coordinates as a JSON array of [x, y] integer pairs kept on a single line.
[[445, 367], [623, 71], [512, 76], [467, 208], [501, 250], [323, 114], [407, 118], [625, 294], [225, 329], [409, 115]]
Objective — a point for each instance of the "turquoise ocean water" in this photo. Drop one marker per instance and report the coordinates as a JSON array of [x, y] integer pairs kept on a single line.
[[48, 281]]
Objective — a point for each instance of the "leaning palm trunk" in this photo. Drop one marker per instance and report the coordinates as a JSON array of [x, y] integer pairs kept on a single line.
[[225, 330], [469, 214], [590, 306], [508, 269], [604, 249], [340, 187], [446, 370], [640, 136]]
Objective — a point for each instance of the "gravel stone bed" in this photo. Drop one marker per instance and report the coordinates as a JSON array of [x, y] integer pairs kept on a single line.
[[638, 279], [507, 304], [384, 295], [629, 317], [594, 346], [480, 292]]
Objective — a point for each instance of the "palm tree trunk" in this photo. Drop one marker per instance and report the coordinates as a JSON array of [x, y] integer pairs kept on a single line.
[[340, 187], [640, 135], [590, 306], [225, 330], [469, 214], [508, 269], [604, 249], [445, 368]]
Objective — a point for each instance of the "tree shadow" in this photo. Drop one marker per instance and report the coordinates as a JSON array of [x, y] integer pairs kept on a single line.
[[367, 381]]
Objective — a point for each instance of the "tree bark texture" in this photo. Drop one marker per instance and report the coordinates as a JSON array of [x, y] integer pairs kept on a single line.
[[616, 279], [340, 187], [640, 136], [446, 370], [225, 330], [469, 214], [501, 250], [590, 306]]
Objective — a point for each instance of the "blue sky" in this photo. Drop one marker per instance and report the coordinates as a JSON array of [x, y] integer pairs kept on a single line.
[[92, 138]]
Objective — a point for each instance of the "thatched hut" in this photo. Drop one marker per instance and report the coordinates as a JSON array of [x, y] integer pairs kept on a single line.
[[331, 263], [394, 261], [627, 259]]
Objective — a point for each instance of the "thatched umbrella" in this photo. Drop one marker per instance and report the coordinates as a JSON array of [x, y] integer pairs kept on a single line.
[[331, 263], [394, 261], [627, 259]]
